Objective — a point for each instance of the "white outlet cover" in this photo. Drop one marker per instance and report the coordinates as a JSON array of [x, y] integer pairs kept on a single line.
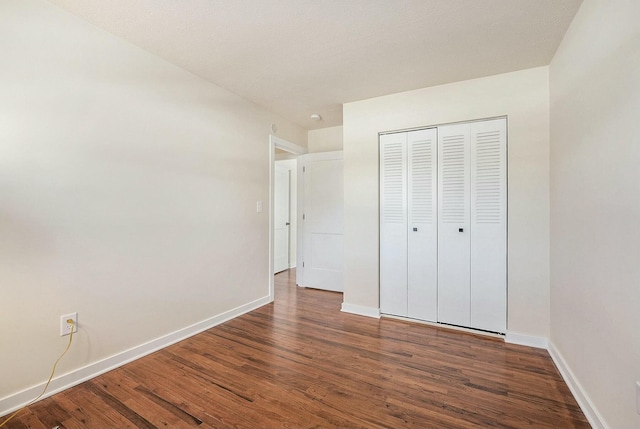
[[65, 328], [258, 206]]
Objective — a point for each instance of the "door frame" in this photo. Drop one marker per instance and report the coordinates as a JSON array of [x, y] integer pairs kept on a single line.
[[287, 146]]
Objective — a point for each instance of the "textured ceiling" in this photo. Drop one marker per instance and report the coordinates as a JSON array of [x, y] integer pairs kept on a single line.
[[297, 57]]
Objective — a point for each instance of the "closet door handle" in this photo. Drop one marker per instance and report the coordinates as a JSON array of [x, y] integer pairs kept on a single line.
[[460, 229], [415, 229]]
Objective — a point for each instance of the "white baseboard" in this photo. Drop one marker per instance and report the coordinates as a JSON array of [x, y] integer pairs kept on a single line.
[[15, 401], [361, 310], [591, 413], [526, 340]]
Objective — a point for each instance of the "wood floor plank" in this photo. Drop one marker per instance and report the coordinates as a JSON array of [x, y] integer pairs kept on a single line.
[[302, 363], [89, 410]]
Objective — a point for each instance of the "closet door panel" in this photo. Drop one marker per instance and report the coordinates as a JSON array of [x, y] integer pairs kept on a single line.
[[489, 225], [422, 300], [393, 224], [454, 292]]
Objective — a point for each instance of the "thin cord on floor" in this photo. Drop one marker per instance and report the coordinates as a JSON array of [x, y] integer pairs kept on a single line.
[[53, 371]]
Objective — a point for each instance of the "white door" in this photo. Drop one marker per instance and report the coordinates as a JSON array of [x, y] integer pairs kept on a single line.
[[472, 244], [281, 220], [422, 244], [320, 187], [443, 224], [408, 224], [454, 277], [393, 224], [489, 225]]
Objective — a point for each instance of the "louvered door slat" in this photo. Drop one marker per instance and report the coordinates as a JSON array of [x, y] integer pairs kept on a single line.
[[487, 176], [393, 182]]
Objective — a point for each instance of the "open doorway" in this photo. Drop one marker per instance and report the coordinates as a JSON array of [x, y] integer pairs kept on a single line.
[[283, 207], [285, 214]]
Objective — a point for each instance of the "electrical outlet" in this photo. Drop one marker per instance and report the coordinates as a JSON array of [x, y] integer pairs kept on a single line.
[[65, 326]]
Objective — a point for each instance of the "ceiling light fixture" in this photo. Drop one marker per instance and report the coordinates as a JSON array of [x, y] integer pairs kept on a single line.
[[315, 117]]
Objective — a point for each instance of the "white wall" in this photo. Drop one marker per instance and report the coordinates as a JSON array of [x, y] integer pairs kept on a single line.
[[128, 192], [524, 97], [595, 205], [281, 155], [292, 166], [325, 139]]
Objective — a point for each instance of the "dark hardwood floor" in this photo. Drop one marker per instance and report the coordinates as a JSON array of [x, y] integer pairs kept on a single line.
[[301, 363]]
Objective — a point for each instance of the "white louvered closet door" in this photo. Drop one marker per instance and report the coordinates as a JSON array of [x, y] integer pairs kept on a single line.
[[422, 267], [454, 277], [443, 224], [393, 224], [489, 225]]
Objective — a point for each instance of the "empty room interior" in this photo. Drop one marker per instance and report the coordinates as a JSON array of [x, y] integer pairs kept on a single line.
[[320, 213]]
